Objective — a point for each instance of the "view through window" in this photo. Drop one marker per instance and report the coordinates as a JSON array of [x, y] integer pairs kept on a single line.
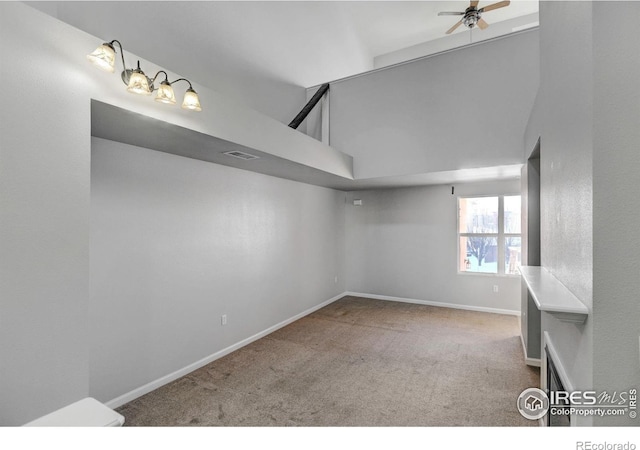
[[489, 234]]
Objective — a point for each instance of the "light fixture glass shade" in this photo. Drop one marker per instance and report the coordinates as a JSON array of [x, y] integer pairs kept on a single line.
[[138, 83], [165, 94], [103, 57], [191, 101]]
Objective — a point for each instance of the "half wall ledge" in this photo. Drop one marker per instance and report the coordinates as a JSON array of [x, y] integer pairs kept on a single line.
[[306, 161], [553, 297], [332, 169]]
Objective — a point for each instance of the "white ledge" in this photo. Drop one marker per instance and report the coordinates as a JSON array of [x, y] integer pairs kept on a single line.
[[553, 297]]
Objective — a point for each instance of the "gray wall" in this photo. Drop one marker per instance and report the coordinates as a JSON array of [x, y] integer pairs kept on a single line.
[[403, 243], [586, 114], [176, 243], [616, 211], [463, 109], [45, 148], [530, 314], [563, 119], [44, 220], [273, 97], [533, 212]]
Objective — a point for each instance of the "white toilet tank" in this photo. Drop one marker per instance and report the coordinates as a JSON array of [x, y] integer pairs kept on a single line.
[[87, 412]]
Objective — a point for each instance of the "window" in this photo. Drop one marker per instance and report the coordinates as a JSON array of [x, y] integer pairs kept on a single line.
[[489, 234]]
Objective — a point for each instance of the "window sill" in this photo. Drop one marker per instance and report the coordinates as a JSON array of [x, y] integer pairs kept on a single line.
[[493, 275]]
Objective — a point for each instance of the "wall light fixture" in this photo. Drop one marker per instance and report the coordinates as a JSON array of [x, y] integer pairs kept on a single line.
[[104, 57]]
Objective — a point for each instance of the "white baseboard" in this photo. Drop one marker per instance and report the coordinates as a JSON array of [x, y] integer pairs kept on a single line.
[[138, 392], [509, 312], [535, 362], [145, 389]]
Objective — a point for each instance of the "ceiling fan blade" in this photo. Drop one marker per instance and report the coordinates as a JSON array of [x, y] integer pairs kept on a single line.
[[482, 24], [494, 6], [451, 13], [474, 3], [451, 30]]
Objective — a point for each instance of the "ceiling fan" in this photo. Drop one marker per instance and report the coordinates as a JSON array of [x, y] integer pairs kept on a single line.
[[473, 15]]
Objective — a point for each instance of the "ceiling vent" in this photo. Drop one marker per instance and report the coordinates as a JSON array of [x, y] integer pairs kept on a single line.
[[241, 155]]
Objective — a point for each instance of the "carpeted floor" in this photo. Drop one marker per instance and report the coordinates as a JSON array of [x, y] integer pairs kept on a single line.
[[357, 362]]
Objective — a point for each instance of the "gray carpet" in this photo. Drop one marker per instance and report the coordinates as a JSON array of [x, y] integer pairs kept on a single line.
[[357, 362]]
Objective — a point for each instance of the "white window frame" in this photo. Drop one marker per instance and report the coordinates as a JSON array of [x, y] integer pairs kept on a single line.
[[500, 236]]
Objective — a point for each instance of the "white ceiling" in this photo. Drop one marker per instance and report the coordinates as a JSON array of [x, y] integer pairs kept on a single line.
[[301, 43]]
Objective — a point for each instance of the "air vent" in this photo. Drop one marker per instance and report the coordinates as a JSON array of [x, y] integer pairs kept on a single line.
[[241, 155]]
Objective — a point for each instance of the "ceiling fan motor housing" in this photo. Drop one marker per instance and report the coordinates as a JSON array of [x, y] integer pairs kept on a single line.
[[471, 17]]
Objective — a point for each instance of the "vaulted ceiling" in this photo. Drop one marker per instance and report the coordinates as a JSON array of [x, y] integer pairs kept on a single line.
[[301, 43], [265, 53]]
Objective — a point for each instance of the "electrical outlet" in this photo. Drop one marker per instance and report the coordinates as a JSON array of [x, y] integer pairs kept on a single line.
[[495, 288], [223, 319]]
